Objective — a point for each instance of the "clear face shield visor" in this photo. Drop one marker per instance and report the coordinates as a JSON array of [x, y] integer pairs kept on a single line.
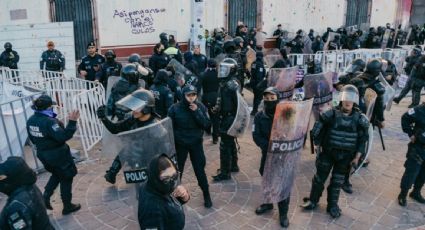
[[349, 96]]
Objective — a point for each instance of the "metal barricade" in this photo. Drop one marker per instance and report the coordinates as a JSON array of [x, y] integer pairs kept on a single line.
[[90, 127]]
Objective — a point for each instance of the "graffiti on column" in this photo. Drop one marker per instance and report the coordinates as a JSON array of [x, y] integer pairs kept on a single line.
[[140, 21]]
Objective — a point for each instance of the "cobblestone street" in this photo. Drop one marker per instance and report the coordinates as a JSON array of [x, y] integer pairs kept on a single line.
[[373, 204]]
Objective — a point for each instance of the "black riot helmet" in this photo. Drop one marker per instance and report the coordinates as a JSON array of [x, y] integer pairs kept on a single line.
[[163, 36], [8, 45], [134, 58], [350, 93], [238, 40], [110, 54], [374, 67], [141, 100], [229, 46], [271, 90], [130, 73], [356, 65], [227, 68]]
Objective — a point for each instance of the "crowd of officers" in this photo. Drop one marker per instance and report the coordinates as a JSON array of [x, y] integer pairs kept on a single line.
[[205, 101]]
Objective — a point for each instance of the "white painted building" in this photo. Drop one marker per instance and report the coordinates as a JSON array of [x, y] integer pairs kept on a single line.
[[129, 26]]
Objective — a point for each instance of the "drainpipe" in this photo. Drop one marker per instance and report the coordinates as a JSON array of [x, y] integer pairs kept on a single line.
[[197, 29]]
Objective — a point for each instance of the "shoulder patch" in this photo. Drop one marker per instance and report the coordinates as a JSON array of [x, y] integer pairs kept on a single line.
[[55, 127], [411, 111]]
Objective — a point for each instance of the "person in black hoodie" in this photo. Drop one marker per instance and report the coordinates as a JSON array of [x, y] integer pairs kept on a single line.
[[164, 98], [190, 119], [24, 208], [210, 85], [159, 60], [258, 74], [161, 198]]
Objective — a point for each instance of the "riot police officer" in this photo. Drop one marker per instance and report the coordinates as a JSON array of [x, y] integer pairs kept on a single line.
[[145, 73], [210, 86], [52, 59], [164, 98], [49, 137], [369, 79], [418, 81], [25, 207], [227, 103], [339, 138], [258, 74], [128, 83], [411, 60], [158, 60], [109, 68], [90, 64], [389, 70], [190, 119], [9, 58], [230, 48], [413, 124], [200, 59], [261, 130], [142, 105], [353, 70]]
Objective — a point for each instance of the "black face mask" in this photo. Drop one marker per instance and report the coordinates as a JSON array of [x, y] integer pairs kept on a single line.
[[8, 49], [7, 188], [169, 185], [110, 59], [270, 107]]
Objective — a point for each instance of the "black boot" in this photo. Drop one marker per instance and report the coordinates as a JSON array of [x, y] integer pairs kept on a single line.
[[416, 98], [207, 198], [225, 163], [47, 202], [402, 198], [70, 207], [283, 212], [396, 100], [215, 139], [235, 167], [333, 195], [310, 203], [263, 208], [416, 195], [347, 187], [111, 174], [334, 211]]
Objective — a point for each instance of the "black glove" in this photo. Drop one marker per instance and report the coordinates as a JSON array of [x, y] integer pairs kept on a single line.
[[101, 112]]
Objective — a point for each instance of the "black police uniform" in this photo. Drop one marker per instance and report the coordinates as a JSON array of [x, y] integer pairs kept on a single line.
[[418, 81], [261, 131], [49, 136], [53, 60], [157, 208], [188, 127], [210, 84], [164, 98], [107, 69], [410, 63], [201, 61], [227, 102], [413, 123], [158, 61], [390, 71], [87, 64], [9, 58], [340, 137], [240, 68], [258, 74], [25, 207]]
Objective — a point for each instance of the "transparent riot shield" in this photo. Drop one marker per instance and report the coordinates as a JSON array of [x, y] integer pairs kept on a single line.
[[389, 92], [368, 150], [271, 59], [284, 80], [220, 58], [109, 147], [369, 99], [138, 147], [189, 77], [250, 58], [285, 147], [331, 37], [320, 88], [241, 121], [385, 38]]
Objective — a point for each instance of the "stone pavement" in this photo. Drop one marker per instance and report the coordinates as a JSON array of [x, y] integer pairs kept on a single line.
[[373, 204]]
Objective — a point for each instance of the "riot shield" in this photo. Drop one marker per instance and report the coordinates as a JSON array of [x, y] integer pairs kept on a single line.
[[368, 150], [250, 58], [138, 147], [271, 59], [307, 45], [109, 147], [369, 99], [220, 58], [385, 38], [389, 92], [189, 77], [331, 37], [241, 120], [274, 51], [285, 147], [284, 80], [319, 87]]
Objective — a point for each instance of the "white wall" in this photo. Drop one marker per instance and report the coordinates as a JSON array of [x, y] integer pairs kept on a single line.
[[30, 41], [383, 11], [307, 14], [37, 11]]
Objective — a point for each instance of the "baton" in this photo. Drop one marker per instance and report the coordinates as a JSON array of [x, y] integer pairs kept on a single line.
[[311, 143], [382, 139]]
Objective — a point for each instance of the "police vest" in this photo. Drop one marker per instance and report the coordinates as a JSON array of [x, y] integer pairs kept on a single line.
[[343, 133]]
